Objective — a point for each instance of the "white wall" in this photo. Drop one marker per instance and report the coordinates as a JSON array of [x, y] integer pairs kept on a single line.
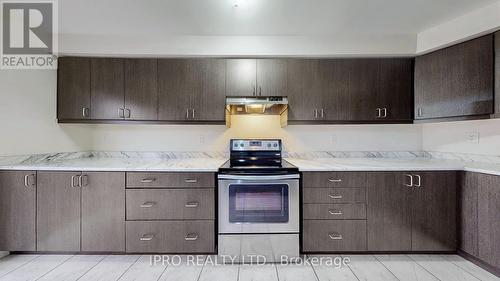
[[28, 125], [473, 24], [452, 137]]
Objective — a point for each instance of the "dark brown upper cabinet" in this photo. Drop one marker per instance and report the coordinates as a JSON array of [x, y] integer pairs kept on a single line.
[[141, 89], [395, 90], [256, 77], [107, 89], [73, 89], [456, 81], [497, 74], [191, 89]]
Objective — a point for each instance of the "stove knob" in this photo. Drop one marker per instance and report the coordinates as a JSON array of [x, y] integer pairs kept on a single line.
[[275, 145]]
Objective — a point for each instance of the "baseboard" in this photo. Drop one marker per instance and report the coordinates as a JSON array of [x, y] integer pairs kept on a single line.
[[3, 254], [480, 263]]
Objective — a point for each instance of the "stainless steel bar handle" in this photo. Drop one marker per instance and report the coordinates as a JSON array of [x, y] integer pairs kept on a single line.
[[192, 113], [121, 113], [26, 180], [191, 237], [335, 212], [335, 236], [316, 113], [191, 180], [260, 91], [81, 182], [411, 181], [192, 205], [379, 112], [335, 196], [148, 204], [147, 237], [385, 112], [148, 180], [419, 181], [73, 181], [187, 113], [322, 113], [420, 112], [84, 110], [335, 180], [259, 178], [128, 113]]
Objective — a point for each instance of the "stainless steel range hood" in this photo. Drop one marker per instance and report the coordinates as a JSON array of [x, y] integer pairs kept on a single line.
[[257, 106]]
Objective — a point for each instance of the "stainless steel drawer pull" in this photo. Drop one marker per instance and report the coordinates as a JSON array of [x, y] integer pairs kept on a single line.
[[411, 181], [335, 180], [147, 204], [26, 180], [73, 181], [191, 237], [192, 205], [335, 196], [335, 212], [147, 237], [335, 236], [191, 180], [148, 180]]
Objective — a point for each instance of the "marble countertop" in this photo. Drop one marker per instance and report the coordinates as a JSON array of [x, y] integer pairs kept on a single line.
[[392, 164], [210, 162]]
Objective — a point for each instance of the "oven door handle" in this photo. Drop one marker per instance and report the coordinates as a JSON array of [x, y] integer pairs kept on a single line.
[[259, 178]]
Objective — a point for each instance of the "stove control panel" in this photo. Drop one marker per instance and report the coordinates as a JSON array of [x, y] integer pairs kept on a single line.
[[255, 145]]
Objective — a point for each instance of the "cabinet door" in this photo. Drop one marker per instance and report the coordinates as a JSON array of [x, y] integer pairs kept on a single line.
[[208, 96], [497, 73], [141, 91], [434, 211], [363, 89], [107, 91], [103, 212], [389, 212], [489, 219], [467, 216], [305, 89], [335, 98], [176, 82], [241, 77], [271, 77], [58, 212], [456, 81], [73, 89], [17, 210], [396, 88]]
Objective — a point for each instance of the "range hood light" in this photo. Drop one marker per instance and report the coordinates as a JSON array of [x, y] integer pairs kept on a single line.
[[257, 106]]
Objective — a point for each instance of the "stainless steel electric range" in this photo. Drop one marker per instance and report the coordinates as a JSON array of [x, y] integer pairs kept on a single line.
[[258, 203]]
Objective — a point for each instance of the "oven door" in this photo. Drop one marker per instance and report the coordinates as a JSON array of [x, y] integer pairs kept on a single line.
[[258, 204]]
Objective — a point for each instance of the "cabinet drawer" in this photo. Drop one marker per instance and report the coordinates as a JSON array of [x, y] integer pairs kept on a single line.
[[334, 179], [334, 195], [169, 180], [334, 235], [170, 237], [170, 204], [334, 211]]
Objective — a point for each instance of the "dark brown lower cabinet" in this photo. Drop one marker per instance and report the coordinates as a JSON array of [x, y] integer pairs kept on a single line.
[[171, 236], [17, 210], [434, 206], [389, 212], [489, 219], [58, 212], [334, 235], [103, 212], [467, 213], [412, 211]]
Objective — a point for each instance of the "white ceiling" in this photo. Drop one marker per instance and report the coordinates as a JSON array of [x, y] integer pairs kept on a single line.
[[164, 18]]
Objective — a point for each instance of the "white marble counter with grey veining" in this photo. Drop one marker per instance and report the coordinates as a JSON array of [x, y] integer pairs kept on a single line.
[[211, 161], [117, 161]]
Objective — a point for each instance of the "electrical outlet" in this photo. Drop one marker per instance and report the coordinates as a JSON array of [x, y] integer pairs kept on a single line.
[[333, 139], [472, 137]]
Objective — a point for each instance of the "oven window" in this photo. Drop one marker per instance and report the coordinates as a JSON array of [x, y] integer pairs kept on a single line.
[[258, 203]]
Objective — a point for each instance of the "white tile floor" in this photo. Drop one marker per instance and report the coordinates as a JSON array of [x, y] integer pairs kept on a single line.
[[133, 267]]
